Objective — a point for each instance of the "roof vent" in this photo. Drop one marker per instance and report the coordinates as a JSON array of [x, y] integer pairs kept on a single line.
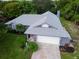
[[45, 25]]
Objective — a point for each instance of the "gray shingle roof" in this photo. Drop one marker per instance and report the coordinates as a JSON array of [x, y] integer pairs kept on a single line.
[[34, 20], [25, 19], [48, 18], [47, 32], [51, 19]]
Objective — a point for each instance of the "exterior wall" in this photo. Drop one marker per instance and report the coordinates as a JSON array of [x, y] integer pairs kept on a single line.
[[12, 26], [64, 41]]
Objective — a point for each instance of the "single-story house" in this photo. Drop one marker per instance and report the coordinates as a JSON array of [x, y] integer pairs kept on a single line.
[[45, 28]]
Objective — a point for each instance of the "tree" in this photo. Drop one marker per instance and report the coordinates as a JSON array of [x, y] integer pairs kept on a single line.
[[76, 19], [42, 5], [3, 28], [69, 9], [62, 3], [11, 9], [15, 8]]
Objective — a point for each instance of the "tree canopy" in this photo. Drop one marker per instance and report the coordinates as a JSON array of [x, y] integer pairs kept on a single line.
[[43, 5], [69, 8]]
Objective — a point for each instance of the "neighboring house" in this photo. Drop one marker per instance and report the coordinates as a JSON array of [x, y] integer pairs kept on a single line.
[[45, 28]]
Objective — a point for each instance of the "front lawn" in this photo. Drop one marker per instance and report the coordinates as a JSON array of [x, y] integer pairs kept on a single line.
[[11, 48], [13, 44]]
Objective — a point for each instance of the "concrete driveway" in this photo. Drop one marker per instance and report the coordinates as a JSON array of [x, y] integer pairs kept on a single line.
[[47, 51]]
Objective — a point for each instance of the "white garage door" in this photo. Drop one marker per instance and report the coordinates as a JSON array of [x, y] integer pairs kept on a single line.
[[50, 40]]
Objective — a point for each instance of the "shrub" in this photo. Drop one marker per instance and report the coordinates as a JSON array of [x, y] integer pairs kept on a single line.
[[33, 46], [76, 18], [3, 28], [20, 27]]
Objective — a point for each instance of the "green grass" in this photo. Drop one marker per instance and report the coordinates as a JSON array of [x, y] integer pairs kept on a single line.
[[65, 55], [28, 53], [11, 48], [13, 45], [74, 32], [71, 28]]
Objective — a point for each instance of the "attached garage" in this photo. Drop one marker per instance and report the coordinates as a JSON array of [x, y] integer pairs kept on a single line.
[[50, 40]]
